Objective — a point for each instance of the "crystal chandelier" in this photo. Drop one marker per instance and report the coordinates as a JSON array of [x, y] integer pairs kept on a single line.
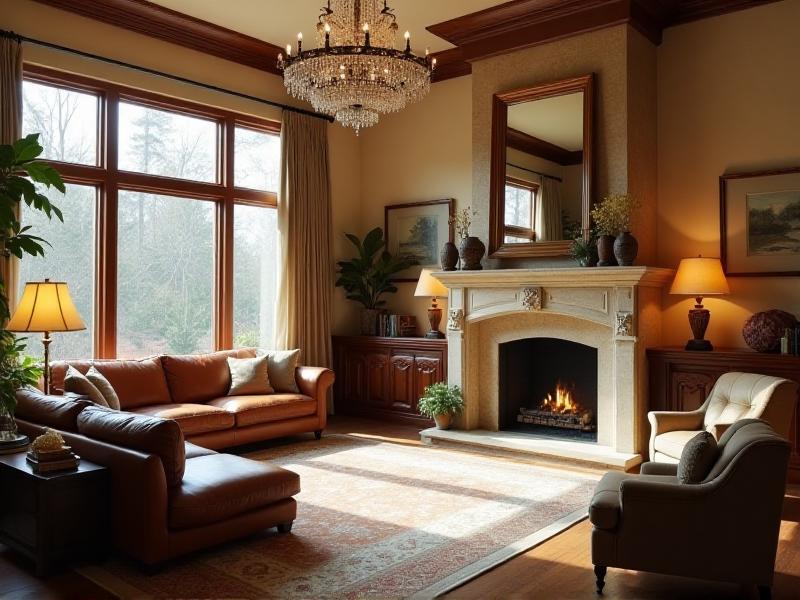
[[355, 74]]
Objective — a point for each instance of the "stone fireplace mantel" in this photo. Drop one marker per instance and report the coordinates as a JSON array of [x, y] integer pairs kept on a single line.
[[616, 310]]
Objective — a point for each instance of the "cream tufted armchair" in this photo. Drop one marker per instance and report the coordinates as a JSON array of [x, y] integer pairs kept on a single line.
[[735, 396]]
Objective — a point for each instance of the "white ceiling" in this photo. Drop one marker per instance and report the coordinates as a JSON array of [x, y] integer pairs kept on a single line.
[[557, 120], [279, 21]]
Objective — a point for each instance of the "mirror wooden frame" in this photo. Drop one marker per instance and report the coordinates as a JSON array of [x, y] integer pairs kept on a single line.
[[501, 102]]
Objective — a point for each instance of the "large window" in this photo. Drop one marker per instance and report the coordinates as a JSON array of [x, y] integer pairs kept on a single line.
[[170, 231]]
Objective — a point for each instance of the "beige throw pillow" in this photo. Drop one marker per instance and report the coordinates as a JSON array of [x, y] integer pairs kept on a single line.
[[249, 376], [77, 383], [282, 365], [105, 387]]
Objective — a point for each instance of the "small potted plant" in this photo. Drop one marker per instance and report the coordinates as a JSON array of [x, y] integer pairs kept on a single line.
[[583, 249], [612, 217], [472, 249], [442, 402]]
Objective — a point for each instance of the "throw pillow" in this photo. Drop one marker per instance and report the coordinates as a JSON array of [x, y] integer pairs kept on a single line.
[[249, 376], [76, 382], [698, 456], [282, 365], [105, 387]]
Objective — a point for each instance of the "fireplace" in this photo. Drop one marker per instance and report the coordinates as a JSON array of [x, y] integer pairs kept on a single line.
[[548, 387]]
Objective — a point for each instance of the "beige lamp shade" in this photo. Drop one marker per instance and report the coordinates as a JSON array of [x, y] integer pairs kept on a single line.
[[428, 286], [700, 277], [46, 306]]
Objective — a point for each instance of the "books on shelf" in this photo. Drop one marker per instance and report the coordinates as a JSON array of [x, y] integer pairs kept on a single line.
[[397, 325]]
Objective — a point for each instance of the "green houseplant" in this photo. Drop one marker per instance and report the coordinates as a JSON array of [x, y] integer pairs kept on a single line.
[[19, 172], [368, 276], [442, 402]]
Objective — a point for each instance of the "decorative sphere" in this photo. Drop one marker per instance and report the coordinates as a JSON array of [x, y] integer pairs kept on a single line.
[[764, 330]]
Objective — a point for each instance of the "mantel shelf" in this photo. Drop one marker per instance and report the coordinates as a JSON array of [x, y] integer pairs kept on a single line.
[[566, 277]]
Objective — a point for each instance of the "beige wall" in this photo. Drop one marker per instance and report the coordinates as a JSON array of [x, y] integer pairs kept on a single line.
[[728, 101], [41, 22]]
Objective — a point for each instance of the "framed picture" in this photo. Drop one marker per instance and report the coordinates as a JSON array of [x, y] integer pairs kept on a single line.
[[419, 230], [760, 223]]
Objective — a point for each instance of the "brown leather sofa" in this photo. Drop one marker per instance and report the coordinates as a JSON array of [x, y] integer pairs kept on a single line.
[[169, 497], [192, 390]]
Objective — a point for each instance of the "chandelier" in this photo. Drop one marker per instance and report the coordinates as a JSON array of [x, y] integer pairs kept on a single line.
[[356, 73]]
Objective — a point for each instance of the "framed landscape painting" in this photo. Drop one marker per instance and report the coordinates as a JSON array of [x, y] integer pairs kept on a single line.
[[760, 223], [419, 230]]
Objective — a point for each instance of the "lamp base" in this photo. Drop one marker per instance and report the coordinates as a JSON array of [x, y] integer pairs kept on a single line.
[[699, 345], [434, 335]]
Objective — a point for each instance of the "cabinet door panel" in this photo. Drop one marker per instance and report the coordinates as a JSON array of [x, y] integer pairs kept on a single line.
[[402, 382], [355, 378], [428, 369], [377, 393], [690, 389]]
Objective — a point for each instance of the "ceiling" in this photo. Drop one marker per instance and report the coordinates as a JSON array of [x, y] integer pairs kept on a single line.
[[279, 21], [558, 120]]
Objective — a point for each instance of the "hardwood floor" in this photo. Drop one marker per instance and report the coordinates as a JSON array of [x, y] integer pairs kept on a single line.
[[558, 569]]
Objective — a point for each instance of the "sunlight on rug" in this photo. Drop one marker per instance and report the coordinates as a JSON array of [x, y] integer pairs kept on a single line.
[[377, 520]]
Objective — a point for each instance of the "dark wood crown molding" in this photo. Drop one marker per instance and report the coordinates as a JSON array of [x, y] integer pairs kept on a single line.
[[178, 28], [519, 140]]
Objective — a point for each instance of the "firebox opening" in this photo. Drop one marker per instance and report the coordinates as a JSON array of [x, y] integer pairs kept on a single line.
[[548, 387]]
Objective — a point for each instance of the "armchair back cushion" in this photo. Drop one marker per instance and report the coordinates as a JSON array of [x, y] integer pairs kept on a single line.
[[162, 437], [198, 378], [738, 396]]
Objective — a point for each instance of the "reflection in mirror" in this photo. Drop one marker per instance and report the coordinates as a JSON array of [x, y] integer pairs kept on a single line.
[[544, 170]]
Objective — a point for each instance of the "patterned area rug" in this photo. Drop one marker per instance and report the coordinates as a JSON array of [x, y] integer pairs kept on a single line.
[[377, 519]]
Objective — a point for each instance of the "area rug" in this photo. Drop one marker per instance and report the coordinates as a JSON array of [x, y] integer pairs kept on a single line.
[[376, 519]]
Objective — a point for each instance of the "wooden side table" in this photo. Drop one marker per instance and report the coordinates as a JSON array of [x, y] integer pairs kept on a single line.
[[54, 517]]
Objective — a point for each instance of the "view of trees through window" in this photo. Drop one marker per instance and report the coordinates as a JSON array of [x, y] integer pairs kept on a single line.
[[166, 254], [519, 208]]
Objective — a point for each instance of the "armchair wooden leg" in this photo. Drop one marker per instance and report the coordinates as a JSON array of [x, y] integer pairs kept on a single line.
[[765, 592], [600, 573], [285, 527], [318, 434]]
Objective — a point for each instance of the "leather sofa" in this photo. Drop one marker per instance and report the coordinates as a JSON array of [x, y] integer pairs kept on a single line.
[[734, 396], [724, 528], [192, 390], [169, 497]]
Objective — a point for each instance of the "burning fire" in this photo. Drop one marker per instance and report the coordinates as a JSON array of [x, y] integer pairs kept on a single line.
[[563, 402]]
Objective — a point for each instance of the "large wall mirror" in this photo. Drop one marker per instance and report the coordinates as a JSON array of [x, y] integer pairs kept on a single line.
[[541, 177]]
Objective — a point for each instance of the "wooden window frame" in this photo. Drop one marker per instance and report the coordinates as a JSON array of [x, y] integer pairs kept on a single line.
[[108, 179], [528, 233]]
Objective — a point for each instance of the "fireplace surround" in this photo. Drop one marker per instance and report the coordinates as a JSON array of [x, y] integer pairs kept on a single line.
[[615, 311]]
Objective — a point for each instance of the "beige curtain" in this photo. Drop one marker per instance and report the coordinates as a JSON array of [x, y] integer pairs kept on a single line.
[[10, 130], [548, 208], [304, 220]]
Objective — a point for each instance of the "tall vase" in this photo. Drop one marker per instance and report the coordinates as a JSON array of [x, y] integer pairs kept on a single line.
[[471, 253], [449, 256], [626, 247], [605, 251], [369, 321]]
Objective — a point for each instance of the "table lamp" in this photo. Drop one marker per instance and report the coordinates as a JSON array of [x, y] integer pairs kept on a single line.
[[45, 307], [430, 287], [699, 277]]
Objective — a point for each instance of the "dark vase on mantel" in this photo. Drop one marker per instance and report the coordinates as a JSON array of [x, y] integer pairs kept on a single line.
[[471, 253], [605, 251], [626, 247], [449, 257]]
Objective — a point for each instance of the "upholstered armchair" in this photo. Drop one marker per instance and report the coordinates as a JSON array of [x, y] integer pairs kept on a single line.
[[735, 396], [724, 528]]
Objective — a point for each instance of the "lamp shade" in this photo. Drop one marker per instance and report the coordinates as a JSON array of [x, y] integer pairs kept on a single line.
[[700, 277], [428, 286], [46, 306]]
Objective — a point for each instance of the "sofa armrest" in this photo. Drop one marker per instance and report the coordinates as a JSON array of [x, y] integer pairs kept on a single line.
[[718, 429], [664, 421], [314, 382], [659, 468]]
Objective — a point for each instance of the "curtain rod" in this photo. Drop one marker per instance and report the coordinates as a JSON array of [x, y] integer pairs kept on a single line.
[[119, 63], [508, 164]]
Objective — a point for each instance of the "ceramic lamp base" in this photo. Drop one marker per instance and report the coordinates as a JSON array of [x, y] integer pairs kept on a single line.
[[699, 345]]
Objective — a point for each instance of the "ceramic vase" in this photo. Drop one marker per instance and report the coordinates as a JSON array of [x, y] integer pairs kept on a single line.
[[605, 251], [369, 321], [625, 249], [471, 253], [449, 257]]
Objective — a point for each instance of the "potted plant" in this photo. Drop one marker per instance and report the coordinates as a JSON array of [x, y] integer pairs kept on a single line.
[[19, 169], [442, 402], [471, 249], [612, 217], [583, 250], [367, 277]]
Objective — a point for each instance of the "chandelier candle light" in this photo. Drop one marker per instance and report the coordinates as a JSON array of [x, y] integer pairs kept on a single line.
[[356, 73]]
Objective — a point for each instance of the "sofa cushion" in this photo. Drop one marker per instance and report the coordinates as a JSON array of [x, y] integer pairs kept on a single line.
[[671, 443], [282, 367], [193, 450], [698, 456], [153, 435], [217, 487], [249, 376], [57, 412], [77, 383], [193, 418], [198, 378], [252, 410], [103, 386]]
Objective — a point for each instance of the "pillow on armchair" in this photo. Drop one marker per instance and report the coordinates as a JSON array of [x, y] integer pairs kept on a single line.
[[698, 456]]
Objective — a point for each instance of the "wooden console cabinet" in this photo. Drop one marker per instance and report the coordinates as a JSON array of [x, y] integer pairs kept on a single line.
[[681, 380], [384, 377]]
